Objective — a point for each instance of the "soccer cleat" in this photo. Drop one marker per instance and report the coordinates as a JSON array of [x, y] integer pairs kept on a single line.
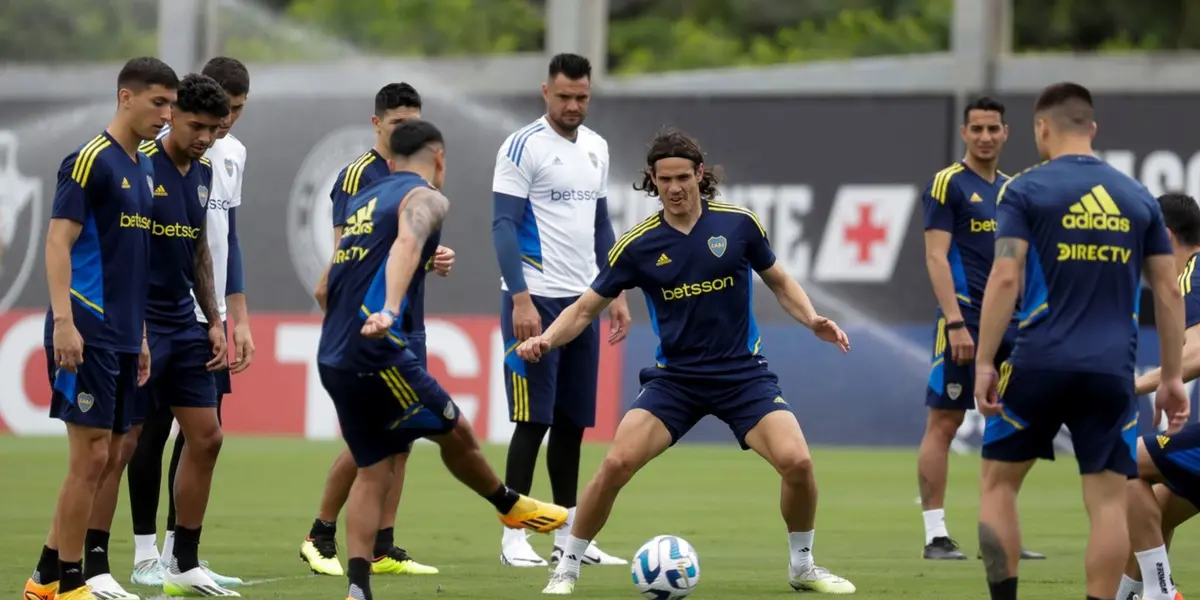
[[321, 555], [193, 583], [561, 584], [148, 572], [593, 556], [532, 514], [818, 579], [515, 551], [82, 593], [398, 562], [219, 579], [104, 587], [943, 548], [37, 591]]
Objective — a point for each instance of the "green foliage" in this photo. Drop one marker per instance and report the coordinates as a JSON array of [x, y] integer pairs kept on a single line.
[[76, 30]]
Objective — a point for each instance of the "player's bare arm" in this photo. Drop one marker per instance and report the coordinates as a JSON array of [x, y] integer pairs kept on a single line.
[[68, 344], [1150, 380], [205, 290], [1000, 296], [321, 293], [572, 321], [937, 263], [421, 215], [795, 302], [1171, 397]]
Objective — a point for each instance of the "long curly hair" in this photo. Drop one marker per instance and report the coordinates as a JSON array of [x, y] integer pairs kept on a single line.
[[673, 143]]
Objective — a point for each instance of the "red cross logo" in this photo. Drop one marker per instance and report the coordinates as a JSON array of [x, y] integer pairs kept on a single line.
[[865, 234]]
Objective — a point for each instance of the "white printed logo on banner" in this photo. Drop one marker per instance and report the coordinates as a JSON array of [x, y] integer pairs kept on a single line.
[[20, 222], [864, 233]]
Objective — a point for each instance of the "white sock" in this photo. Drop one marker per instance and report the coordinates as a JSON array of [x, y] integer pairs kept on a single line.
[[800, 543], [168, 552], [145, 547], [572, 554], [935, 524], [562, 533], [1128, 588], [1156, 574], [511, 534]]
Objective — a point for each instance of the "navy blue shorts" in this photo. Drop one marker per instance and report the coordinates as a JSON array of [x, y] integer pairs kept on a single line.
[[382, 413], [101, 393], [1178, 460], [680, 401], [951, 385], [178, 375], [563, 381], [1099, 410], [416, 345]]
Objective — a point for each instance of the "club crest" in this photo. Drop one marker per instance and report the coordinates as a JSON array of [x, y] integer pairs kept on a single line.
[[202, 193], [229, 167], [595, 161], [449, 411], [717, 245], [954, 390], [85, 401]]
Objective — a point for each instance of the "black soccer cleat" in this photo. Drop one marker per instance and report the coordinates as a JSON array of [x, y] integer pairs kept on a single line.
[[1026, 554], [943, 548]]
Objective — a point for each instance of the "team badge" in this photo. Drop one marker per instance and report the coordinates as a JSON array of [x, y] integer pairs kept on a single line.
[[202, 193], [595, 161], [717, 245], [85, 401], [954, 390], [229, 167], [448, 412]]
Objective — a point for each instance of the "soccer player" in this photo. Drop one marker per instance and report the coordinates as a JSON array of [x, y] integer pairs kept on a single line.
[[1164, 495], [1075, 234], [551, 231], [695, 261], [960, 225], [385, 398], [395, 103], [227, 159], [97, 256]]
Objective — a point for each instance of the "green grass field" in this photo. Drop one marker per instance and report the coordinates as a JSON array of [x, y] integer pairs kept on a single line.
[[723, 501]]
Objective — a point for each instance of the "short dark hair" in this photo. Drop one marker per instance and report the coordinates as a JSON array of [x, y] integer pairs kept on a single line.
[[673, 143], [411, 137], [571, 66], [230, 74], [984, 103], [396, 95], [145, 71], [1182, 216], [1068, 104], [201, 94]]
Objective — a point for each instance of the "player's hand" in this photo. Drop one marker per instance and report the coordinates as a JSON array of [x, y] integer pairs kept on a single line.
[[321, 293], [144, 363], [243, 347], [68, 346], [526, 320], [533, 349], [377, 325], [443, 261], [618, 320], [220, 359], [987, 400], [1172, 399], [962, 347], [828, 331]]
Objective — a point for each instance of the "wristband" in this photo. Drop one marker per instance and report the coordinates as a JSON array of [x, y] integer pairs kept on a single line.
[[388, 313], [952, 325]]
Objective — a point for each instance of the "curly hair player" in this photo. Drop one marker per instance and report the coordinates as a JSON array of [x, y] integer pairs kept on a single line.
[[695, 262]]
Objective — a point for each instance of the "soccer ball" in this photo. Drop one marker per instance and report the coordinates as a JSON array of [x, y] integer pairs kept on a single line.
[[666, 568]]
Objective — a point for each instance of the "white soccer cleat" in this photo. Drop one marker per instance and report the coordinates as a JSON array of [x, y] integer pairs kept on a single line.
[[515, 551], [593, 556], [148, 572], [104, 587], [193, 583], [561, 584], [219, 579], [818, 579]]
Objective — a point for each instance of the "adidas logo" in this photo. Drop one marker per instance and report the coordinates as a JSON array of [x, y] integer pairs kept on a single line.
[[572, 557], [97, 550], [557, 161], [124, 183], [160, 190], [662, 260], [1162, 440], [975, 198], [1095, 211]]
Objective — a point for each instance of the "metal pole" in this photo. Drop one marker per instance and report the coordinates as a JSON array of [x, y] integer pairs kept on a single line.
[[579, 27], [177, 24], [213, 44]]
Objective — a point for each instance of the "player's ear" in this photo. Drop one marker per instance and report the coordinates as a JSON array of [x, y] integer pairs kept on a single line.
[[545, 92], [699, 171], [1094, 126], [124, 95], [375, 122]]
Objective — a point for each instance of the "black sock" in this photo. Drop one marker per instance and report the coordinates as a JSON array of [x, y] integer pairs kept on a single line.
[[384, 540], [562, 459], [70, 577], [95, 553], [322, 529], [46, 571], [145, 472], [360, 578], [1092, 598], [504, 498], [522, 456], [171, 471], [187, 548], [1004, 590]]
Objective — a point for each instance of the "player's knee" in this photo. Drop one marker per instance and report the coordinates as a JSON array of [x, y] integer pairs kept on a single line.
[[794, 466], [617, 469], [944, 424], [91, 464], [206, 446]]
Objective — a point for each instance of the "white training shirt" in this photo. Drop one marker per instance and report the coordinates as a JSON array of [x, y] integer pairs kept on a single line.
[[561, 180], [228, 158]]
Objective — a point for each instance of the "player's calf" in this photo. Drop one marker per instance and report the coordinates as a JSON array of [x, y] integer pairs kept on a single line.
[[364, 508], [89, 448]]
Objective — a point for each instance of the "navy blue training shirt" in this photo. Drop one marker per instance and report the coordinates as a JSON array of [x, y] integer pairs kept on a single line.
[[358, 277], [1090, 228], [699, 287], [179, 217], [109, 194], [963, 204]]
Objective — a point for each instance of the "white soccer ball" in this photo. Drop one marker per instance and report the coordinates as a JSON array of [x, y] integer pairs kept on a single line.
[[666, 568]]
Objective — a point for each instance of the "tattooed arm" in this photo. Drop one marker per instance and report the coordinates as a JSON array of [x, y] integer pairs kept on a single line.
[[421, 214], [203, 284], [1000, 297]]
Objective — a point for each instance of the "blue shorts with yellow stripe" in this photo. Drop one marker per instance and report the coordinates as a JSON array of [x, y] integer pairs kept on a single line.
[[382, 412], [951, 386], [1099, 410], [1177, 458]]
